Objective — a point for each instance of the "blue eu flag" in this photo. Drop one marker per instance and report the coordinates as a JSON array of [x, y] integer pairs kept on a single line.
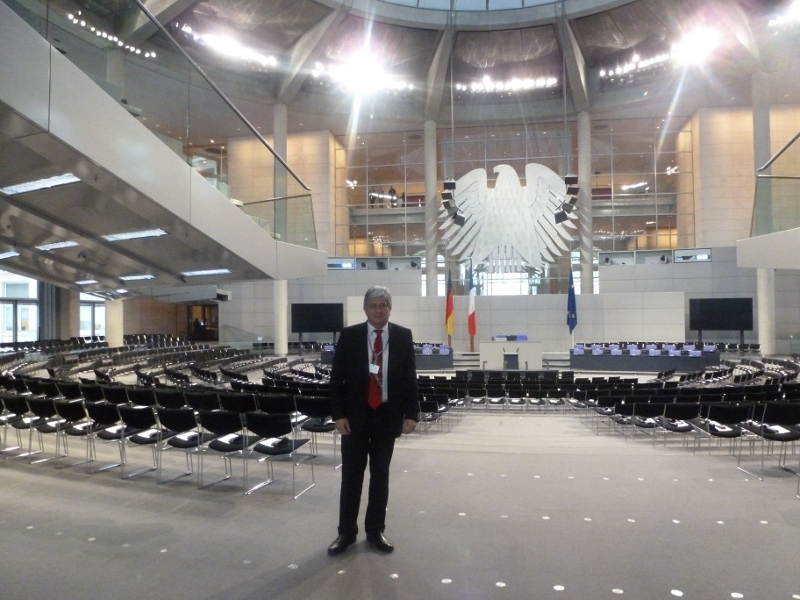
[[572, 309]]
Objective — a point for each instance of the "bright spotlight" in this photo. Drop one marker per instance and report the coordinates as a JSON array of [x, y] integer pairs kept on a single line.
[[696, 46]]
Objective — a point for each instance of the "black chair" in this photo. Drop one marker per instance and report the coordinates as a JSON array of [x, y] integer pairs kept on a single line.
[[141, 419], [778, 424], [428, 415], [722, 421], [75, 423], [319, 422], [182, 423], [109, 428], [496, 395], [644, 416], [278, 437], [232, 442], [27, 421], [45, 410]]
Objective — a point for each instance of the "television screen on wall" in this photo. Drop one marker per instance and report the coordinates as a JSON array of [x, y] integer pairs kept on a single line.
[[318, 318], [721, 314]]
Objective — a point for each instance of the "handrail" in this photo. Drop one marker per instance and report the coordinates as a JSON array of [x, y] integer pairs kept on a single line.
[[778, 154], [214, 86]]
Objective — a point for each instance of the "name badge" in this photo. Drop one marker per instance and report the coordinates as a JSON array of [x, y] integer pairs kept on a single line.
[[373, 369]]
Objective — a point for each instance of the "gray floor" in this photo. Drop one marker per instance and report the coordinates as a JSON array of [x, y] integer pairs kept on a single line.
[[502, 506]]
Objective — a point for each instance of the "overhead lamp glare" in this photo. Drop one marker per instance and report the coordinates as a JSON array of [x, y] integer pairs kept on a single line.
[[9, 254], [86, 282]]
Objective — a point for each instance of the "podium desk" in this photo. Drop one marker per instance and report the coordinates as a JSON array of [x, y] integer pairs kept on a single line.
[[495, 355]]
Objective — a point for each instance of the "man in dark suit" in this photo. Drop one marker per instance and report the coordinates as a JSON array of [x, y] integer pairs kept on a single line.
[[373, 401]]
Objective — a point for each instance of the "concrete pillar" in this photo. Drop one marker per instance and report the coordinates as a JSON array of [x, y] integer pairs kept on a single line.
[[281, 287], [280, 308], [431, 208], [114, 323], [68, 313], [762, 210], [585, 217], [765, 290]]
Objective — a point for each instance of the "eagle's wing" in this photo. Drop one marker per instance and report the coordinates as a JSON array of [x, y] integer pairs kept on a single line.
[[471, 194], [544, 193]]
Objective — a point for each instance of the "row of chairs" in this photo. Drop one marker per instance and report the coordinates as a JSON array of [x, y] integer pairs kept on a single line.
[[229, 433], [769, 423]]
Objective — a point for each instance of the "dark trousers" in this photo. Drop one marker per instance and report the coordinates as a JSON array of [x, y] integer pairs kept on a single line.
[[369, 441]]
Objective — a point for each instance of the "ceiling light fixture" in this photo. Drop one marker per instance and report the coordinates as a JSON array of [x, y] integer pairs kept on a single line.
[[136, 277], [57, 245], [134, 235], [86, 282], [40, 184], [206, 272], [9, 254]]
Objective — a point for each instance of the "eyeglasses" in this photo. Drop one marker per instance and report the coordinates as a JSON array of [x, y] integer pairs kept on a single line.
[[381, 306]]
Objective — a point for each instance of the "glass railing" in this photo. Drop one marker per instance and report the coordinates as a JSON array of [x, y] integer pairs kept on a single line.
[[159, 72], [777, 200]]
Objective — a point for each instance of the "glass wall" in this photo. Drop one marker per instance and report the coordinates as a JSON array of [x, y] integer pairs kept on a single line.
[[642, 189], [93, 316], [19, 308]]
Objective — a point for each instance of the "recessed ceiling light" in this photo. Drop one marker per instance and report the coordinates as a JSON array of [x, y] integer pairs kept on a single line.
[[40, 184], [9, 254], [134, 235], [86, 282], [57, 245], [206, 272], [136, 277], [121, 291]]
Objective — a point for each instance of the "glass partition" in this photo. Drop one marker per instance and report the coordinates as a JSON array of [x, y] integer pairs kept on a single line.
[[776, 206], [159, 71]]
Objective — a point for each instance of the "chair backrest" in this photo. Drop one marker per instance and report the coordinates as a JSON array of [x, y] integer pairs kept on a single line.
[[71, 411], [220, 422], [49, 389], [781, 413], [103, 413], [177, 419], [682, 411], [237, 401], [170, 397], [202, 400], [648, 410], [141, 396], [44, 408], [138, 418], [276, 403], [730, 414], [91, 392], [268, 425], [115, 394], [316, 407], [15, 404], [71, 390]]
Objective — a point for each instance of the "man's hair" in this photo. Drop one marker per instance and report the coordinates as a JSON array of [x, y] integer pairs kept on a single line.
[[378, 292]]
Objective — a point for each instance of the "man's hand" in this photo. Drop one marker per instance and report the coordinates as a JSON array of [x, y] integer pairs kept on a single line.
[[342, 426], [409, 425]]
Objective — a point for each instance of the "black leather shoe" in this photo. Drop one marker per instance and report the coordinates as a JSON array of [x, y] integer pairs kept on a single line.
[[381, 543], [340, 544]]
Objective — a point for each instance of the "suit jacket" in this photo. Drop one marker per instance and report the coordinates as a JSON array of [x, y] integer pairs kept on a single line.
[[349, 383]]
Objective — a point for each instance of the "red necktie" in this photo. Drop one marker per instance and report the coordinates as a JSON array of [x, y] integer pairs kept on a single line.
[[375, 395]]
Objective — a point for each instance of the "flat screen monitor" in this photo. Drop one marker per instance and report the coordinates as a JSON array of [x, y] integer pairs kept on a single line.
[[317, 318], [721, 314]]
